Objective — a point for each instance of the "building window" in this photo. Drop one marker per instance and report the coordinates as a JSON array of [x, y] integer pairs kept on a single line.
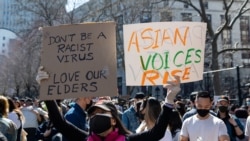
[[166, 16], [245, 59], [226, 37], [3, 51], [3, 45], [146, 17], [4, 38], [227, 60], [244, 30], [186, 16], [185, 5], [226, 34]]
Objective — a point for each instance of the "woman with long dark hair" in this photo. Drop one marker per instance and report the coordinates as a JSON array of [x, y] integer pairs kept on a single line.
[[175, 124], [151, 108], [103, 123], [16, 116]]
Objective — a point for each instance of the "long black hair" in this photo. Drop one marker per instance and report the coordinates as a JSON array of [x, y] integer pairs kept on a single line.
[[175, 122], [122, 129]]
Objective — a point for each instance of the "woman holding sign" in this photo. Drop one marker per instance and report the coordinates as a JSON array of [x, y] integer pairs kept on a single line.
[[104, 124]]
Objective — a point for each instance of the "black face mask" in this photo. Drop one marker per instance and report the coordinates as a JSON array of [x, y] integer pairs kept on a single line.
[[223, 109], [100, 123], [202, 112]]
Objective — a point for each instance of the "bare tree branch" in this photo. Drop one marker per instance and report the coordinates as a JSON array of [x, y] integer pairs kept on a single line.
[[233, 50], [241, 11], [188, 2]]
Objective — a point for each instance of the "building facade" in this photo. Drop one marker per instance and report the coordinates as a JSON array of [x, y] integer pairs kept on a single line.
[[129, 12]]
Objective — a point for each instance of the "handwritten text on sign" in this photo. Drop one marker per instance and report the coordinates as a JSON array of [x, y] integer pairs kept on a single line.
[[73, 56], [155, 52]]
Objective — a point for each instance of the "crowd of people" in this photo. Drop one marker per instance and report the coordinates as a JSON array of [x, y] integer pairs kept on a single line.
[[145, 118]]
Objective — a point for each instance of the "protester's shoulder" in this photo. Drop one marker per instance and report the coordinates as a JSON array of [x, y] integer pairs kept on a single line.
[[6, 121], [212, 112], [189, 119], [130, 109], [216, 119], [71, 110], [12, 115], [189, 114]]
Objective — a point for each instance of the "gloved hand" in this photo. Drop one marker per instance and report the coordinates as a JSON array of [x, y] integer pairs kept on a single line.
[[41, 75], [173, 88]]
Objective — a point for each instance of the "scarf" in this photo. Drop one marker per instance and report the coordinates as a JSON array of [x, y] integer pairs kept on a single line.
[[113, 136]]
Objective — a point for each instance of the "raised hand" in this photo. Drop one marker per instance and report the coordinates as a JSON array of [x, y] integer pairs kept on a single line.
[[41, 75], [173, 88]]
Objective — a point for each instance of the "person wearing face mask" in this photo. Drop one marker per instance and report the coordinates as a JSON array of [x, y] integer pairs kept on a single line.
[[234, 127], [193, 111], [203, 126], [130, 117], [73, 133], [105, 123]]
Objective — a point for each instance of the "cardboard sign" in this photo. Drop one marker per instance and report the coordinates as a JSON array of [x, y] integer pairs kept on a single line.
[[80, 59], [155, 52]]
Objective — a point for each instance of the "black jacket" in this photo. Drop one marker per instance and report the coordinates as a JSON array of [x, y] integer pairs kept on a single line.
[[72, 133]]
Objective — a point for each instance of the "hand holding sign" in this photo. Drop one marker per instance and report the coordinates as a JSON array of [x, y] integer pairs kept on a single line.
[[41, 75], [80, 59], [173, 87]]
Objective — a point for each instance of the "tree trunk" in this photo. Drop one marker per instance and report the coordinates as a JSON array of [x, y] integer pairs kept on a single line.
[[215, 66]]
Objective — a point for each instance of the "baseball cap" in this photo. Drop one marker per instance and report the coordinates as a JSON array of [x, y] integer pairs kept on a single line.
[[98, 105], [223, 98], [192, 96], [139, 95]]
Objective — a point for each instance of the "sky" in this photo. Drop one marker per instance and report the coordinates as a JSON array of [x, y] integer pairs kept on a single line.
[[71, 3]]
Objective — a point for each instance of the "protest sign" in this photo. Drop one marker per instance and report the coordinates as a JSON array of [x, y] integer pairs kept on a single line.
[[155, 52], [80, 60]]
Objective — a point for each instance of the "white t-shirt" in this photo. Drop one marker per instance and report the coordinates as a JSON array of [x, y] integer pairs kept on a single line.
[[167, 136], [209, 129], [14, 117], [30, 117], [247, 127], [143, 127]]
